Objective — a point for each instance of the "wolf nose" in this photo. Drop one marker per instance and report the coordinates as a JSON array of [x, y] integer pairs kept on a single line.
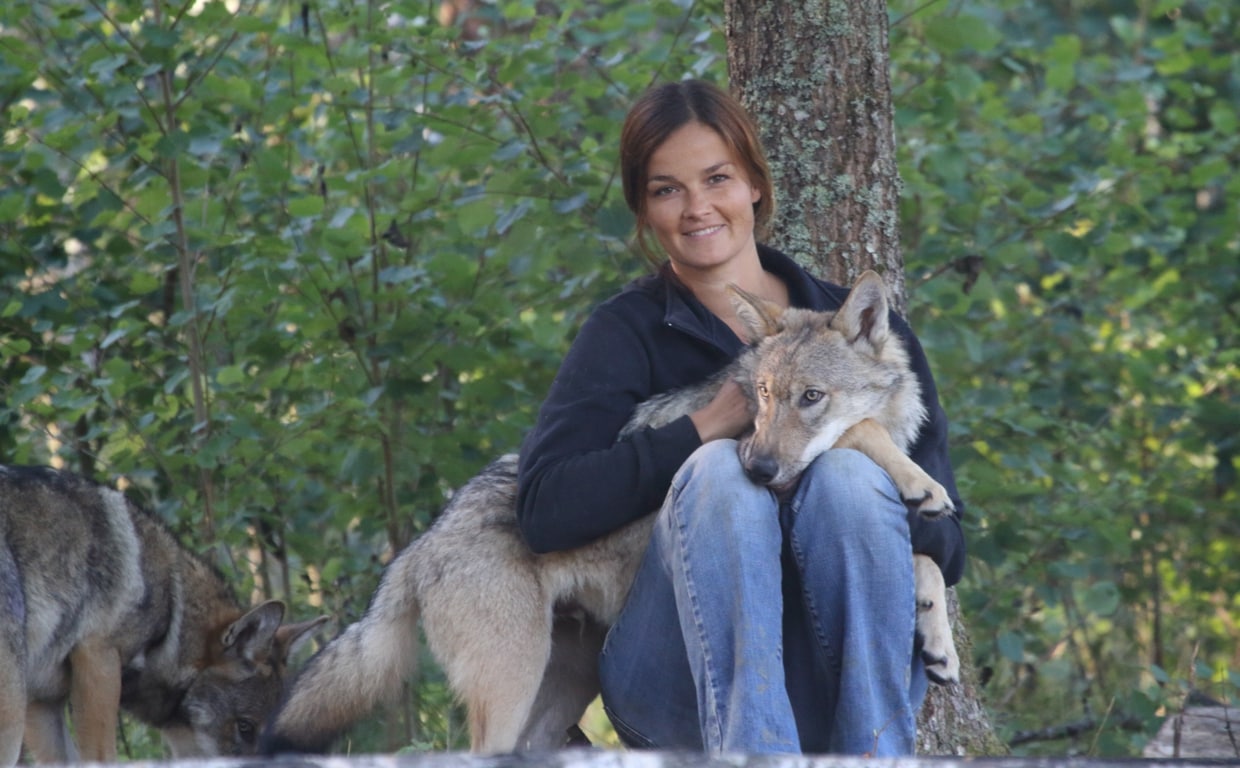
[[761, 471]]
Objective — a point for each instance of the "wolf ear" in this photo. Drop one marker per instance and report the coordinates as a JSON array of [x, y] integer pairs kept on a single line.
[[760, 317], [251, 636], [864, 314], [289, 637]]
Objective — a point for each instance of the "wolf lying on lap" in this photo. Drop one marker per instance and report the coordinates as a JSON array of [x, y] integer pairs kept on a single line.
[[101, 610], [518, 634]]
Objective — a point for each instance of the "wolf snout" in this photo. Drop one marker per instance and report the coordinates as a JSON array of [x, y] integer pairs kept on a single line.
[[761, 470]]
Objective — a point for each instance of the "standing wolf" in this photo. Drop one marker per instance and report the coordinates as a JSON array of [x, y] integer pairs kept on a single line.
[[102, 610], [518, 634]]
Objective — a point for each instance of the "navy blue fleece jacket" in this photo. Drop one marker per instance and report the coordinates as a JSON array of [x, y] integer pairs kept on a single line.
[[577, 483]]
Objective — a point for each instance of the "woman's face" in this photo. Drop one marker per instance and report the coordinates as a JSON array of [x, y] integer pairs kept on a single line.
[[699, 202]]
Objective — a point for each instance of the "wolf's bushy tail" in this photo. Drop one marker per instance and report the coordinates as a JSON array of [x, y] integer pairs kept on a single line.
[[363, 667]]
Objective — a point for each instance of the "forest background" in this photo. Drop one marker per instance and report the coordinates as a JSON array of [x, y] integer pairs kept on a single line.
[[289, 273]]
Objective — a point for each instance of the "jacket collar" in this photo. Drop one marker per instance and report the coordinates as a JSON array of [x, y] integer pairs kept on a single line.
[[688, 315], [804, 290], [684, 313]]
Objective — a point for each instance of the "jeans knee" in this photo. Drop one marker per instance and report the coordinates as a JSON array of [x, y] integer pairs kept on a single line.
[[713, 482], [850, 492], [716, 461], [711, 473]]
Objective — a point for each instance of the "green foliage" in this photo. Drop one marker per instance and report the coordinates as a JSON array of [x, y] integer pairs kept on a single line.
[[294, 271], [1084, 151]]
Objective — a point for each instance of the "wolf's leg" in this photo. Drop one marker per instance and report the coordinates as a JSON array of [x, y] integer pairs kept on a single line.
[[916, 486], [11, 724], [12, 701], [47, 734], [10, 744], [94, 698], [568, 686], [497, 663], [938, 649]]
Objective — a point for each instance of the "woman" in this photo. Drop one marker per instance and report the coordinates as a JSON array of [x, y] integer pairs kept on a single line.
[[752, 625]]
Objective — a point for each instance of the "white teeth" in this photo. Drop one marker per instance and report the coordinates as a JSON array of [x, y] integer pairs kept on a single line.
[[704, 232]]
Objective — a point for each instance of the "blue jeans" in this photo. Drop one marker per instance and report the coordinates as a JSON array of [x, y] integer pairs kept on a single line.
[[760, 627]]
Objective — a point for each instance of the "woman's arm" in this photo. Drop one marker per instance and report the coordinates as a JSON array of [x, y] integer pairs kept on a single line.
[[575, 481]]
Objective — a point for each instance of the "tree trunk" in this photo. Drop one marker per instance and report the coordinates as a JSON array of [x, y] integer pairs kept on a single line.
[[815, 75]]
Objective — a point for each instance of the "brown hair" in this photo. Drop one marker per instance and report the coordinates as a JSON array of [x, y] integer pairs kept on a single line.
[[664, 109]]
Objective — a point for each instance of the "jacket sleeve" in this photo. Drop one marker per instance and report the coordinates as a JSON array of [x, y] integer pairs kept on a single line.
[[576, 483], [941, 538]]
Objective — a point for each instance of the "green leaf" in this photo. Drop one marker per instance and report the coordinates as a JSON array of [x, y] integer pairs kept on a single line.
[[231, 375], [305, 206], [568, 205], [1012, 646], [1102, 599], [11, 207], [961, 31], [143, 282], [1061, 60]]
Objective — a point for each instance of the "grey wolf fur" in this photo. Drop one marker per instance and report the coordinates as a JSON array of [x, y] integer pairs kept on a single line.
[[518, 634], [101, 609]]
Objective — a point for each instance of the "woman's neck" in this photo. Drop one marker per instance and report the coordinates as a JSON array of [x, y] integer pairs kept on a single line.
[[711, 288]]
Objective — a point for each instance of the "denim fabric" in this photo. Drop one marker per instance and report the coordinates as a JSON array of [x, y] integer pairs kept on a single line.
[[761, 627]]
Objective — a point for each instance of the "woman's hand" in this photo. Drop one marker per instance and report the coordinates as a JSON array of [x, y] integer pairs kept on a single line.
[[727, 415]]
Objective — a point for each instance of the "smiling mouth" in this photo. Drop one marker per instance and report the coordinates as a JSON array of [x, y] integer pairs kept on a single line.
[[704, 232]]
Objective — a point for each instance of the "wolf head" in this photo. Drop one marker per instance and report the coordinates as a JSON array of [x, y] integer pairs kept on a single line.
[[813, 375], [229, 698]]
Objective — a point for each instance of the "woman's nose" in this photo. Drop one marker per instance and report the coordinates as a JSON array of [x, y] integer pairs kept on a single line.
[[696, 205]]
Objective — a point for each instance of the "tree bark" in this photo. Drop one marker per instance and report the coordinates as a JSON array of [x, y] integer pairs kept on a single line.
[[815, 75]]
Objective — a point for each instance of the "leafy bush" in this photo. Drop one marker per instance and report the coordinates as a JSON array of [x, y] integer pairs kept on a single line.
[[1082, 151]]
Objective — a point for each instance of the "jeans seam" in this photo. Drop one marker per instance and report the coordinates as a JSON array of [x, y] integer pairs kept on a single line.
[[806, 598], [707, 662]]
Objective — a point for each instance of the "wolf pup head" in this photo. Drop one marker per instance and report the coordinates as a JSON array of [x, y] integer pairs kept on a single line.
[[813, 375]]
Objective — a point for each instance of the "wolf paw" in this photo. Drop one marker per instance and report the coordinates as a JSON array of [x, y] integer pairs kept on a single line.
[[920, 491], [930, 500], [934, 631], [942, 663]]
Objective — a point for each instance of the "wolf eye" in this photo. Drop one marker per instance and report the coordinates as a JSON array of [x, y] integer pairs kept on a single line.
[[246, 730], [811, 396], [763, 392]]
